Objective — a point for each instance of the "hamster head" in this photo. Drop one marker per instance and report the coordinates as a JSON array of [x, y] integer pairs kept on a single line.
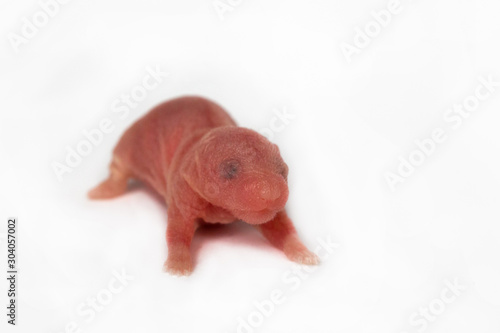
[[241, 171]]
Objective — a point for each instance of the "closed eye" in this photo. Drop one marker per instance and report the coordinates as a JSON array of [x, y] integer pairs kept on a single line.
[[229, 169]]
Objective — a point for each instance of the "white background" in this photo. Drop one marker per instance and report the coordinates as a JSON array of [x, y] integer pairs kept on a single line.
[[352, 122]]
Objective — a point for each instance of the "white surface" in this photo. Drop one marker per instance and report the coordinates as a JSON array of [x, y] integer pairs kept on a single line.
[[353, 120]]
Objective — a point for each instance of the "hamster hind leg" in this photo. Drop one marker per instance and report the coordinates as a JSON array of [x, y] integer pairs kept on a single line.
[[115, 185]]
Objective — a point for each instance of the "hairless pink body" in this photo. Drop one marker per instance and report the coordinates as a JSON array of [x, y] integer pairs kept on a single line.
[[209, 170]]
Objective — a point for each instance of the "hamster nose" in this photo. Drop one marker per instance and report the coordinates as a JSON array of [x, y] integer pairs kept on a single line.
[[266, 191]]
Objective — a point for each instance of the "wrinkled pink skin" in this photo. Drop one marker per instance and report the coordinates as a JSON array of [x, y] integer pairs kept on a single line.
[[209, 171]]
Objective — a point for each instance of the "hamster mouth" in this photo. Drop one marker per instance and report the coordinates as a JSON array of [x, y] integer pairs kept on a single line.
[[255, 217]]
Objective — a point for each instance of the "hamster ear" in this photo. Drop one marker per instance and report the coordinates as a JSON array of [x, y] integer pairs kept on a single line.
[[191, 170]]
